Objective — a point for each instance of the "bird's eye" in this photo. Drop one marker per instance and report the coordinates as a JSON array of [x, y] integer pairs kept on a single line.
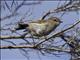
[[55, 20]]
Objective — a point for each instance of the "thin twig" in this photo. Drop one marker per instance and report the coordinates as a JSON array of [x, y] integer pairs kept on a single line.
[[59, 33]]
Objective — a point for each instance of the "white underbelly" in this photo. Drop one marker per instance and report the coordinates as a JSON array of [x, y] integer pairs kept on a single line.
[[38, 27]]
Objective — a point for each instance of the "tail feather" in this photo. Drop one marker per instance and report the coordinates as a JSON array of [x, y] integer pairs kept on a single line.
[[21, 26]]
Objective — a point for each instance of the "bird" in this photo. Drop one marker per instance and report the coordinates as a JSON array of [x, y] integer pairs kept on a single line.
[[40, 27]]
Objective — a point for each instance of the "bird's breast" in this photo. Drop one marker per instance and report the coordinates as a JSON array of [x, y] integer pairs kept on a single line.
[[41, 29], [38, 28]]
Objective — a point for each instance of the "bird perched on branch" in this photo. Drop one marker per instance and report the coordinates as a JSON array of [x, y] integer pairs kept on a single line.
[[40, 27]]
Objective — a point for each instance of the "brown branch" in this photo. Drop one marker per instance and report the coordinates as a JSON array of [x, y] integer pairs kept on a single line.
[[15, 47], [14, 37], [9, 16], [32, 47], [71, 6], [13, 13], [59, 33]]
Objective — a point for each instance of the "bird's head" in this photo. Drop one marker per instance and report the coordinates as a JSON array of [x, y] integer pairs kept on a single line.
[[55, 20]]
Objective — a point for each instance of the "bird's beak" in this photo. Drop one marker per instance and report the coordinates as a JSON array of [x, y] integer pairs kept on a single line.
[[61, 21]]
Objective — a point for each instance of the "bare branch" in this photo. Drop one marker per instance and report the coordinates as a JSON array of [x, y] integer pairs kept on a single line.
[[70, 6], [9, 16], [32, 47], [14, 37], [59, 33]]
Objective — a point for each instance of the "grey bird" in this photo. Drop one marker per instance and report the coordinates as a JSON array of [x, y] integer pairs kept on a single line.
[[40, 27]]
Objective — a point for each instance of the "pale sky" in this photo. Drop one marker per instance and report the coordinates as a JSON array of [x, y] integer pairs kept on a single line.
[[37, 12]]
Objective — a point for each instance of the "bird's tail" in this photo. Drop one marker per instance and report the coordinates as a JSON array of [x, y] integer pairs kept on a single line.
[[20, 26]]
